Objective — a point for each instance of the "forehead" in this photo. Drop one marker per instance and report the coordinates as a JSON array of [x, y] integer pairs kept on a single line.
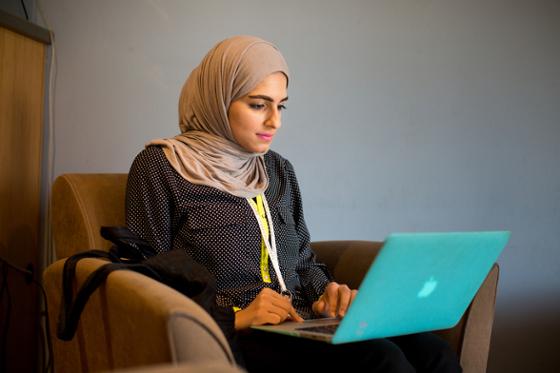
[[273, 83]]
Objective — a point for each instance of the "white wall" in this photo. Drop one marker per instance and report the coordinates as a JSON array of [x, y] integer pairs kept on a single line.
[[404, 115]]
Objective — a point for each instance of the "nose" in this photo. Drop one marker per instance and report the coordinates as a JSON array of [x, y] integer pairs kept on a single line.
[[274, 119]]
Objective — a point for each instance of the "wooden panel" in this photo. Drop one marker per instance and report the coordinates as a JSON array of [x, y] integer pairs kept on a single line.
[[21, 113], [24, 28]]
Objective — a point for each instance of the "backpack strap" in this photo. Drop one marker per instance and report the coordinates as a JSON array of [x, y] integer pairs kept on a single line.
[[71, 309], [68, 275]]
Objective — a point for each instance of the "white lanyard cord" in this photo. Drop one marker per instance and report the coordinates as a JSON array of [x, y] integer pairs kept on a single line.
[[270, 246]]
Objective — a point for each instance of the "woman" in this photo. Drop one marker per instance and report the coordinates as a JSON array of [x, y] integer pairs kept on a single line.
[[217, 191]]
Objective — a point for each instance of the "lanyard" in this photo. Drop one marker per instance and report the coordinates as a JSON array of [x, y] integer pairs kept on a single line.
[[270, 244], [265, 272]]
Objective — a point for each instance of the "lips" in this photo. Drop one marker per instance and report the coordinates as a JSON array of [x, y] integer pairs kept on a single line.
[[265, 136]]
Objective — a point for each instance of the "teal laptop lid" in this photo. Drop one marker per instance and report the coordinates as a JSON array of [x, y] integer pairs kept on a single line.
[[420, 282]]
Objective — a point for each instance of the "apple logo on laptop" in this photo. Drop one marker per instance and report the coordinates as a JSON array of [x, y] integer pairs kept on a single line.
[[428, 288], [361, 328]]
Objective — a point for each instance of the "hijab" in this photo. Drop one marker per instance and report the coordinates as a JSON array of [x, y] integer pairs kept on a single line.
[[206, 152]]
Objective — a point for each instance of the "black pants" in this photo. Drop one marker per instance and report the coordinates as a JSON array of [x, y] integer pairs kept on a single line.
[[269, 352]]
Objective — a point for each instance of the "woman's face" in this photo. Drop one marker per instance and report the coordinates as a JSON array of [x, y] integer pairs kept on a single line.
[[255, 118]]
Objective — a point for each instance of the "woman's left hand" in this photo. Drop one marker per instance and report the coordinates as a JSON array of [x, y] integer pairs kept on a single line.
[[335, 300]]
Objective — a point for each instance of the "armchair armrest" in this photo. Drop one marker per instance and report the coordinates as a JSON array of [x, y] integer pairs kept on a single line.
[[478, 325], [133, 320]]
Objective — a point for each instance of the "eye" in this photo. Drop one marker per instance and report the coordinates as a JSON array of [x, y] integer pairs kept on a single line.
[[282, 107], [257, 106]]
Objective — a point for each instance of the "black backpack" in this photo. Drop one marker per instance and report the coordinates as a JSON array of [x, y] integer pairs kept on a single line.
[[174, 268]]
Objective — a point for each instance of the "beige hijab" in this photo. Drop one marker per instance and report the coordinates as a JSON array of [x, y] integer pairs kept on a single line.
[[205, 152]]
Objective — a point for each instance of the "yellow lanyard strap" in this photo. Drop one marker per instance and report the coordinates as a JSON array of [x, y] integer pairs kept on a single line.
[[262, 214], [265, 274]]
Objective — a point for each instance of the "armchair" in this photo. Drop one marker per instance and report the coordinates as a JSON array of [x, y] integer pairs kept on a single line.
[[133, 320]]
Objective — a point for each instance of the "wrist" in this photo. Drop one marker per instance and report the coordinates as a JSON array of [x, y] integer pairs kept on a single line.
[[241, 320]]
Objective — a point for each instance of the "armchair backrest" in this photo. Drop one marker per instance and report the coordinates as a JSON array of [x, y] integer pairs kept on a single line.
[[82, 203]]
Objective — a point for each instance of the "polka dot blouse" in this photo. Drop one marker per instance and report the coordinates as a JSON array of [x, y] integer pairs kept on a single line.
[[221, 232]]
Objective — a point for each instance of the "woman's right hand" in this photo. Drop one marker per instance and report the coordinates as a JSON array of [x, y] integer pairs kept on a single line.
[[269, 307]]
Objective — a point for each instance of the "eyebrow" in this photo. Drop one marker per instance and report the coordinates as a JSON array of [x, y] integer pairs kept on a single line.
[[267, 98]]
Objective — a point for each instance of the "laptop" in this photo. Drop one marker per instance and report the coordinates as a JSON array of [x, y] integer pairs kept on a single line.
[[418, 282]]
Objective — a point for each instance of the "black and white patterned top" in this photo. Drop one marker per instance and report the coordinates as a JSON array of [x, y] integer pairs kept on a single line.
[[221, 232]]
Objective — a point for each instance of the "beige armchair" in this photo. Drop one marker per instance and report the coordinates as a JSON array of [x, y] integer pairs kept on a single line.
[[133, 320]]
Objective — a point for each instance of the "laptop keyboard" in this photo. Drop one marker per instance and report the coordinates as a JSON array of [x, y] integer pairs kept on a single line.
[[326, 329]]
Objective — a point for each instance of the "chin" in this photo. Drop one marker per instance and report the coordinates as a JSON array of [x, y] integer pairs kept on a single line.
[[258, 149], [262, 150]]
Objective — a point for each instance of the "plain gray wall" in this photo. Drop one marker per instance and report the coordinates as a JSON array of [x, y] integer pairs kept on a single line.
[[404, 115]]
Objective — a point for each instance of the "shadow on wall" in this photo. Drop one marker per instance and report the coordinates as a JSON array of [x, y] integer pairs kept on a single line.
[[524, 341]]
